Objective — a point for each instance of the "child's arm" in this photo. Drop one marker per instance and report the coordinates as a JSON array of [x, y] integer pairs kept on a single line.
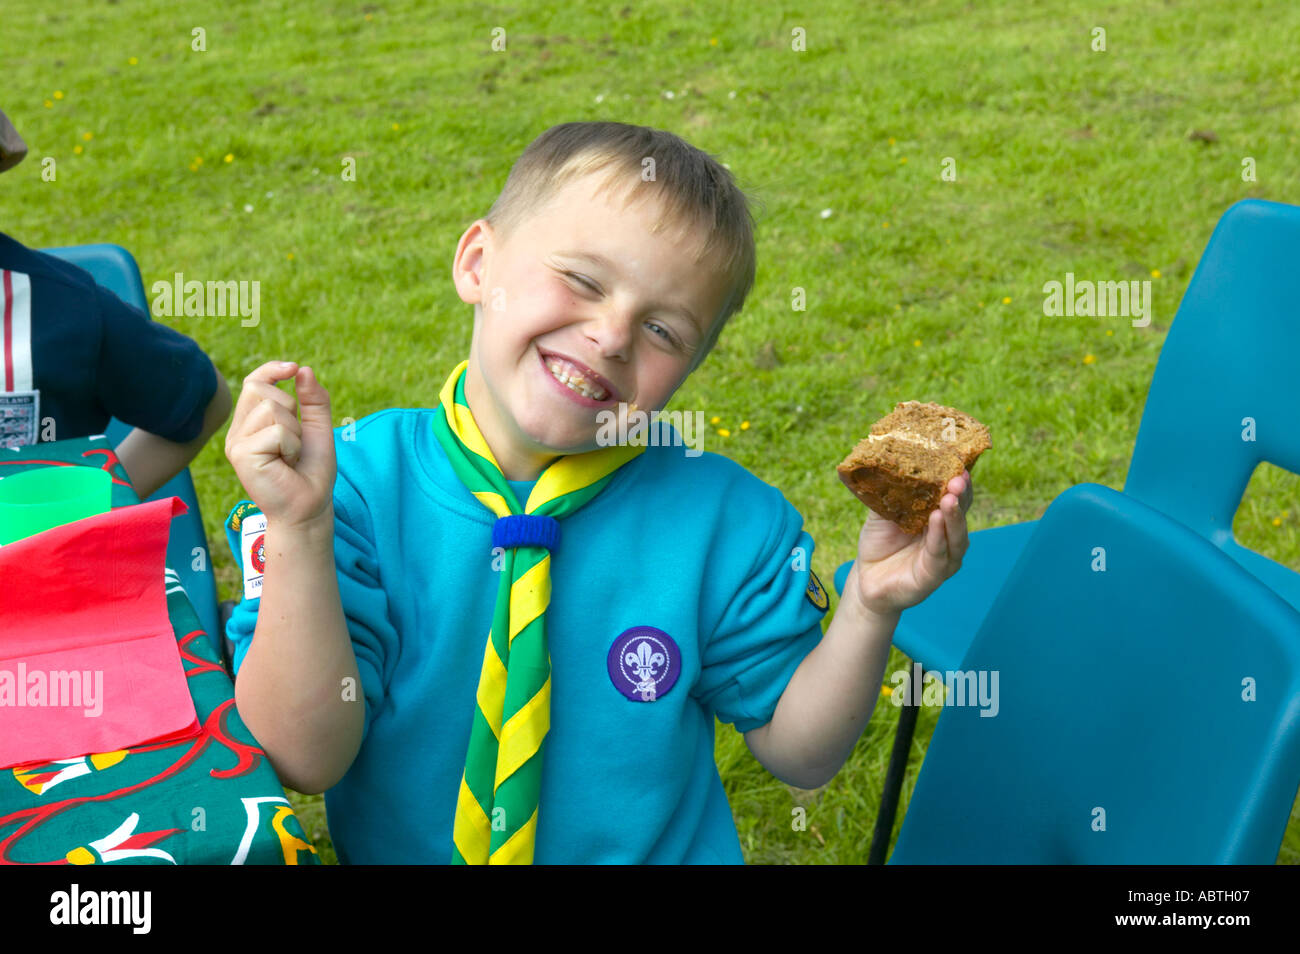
[[290, 686], [830, 697], [290, 689], [828, 701], [150, 461]]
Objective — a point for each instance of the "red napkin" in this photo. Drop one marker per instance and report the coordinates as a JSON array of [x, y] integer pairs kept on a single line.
[[88, 659]]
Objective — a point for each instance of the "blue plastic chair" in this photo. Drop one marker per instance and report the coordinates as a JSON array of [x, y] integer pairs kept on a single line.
[[113, 268], [1121, 702], [1229, 355]]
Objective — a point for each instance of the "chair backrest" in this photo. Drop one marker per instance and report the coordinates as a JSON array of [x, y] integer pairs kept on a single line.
[[111, 266], [1147, 707], [1226, 374]]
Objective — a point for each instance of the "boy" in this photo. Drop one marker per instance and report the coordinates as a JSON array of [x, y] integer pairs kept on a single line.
[[76, 355], [396, 561]]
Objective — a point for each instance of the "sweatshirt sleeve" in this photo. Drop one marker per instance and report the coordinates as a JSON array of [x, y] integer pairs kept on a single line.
[[769, 626]]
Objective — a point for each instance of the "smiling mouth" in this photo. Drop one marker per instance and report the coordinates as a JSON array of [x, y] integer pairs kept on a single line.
[[574, 379]]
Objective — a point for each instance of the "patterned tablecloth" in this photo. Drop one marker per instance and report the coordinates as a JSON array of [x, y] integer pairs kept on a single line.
[[209, 799]]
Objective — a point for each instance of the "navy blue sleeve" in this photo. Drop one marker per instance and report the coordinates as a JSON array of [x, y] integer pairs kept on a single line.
[[150, 376]]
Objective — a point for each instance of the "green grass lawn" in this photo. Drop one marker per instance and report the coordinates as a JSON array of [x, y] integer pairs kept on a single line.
[[225, 164]]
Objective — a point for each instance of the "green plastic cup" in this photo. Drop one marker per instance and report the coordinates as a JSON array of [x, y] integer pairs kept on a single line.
[[45, 497]]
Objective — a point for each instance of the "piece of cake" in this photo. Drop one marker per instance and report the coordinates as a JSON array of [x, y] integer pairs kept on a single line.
[[902, 468]]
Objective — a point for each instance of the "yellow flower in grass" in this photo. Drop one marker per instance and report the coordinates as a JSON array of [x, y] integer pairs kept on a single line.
[[916, 343], [715, 420], [1277, 521], [713, 41], [724, 432], [1006, 301], [1089, 358], [132, 61], [230, 157], [77, 149], [1155, 273], [744, 425], [48, 104], [58, 94]]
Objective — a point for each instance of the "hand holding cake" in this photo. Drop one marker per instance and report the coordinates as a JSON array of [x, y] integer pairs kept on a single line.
[[913, 471]]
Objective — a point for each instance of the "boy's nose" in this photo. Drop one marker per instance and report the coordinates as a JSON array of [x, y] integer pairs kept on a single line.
[[611, 332]]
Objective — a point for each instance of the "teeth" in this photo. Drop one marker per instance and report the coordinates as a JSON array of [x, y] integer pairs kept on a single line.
[[575, 381]]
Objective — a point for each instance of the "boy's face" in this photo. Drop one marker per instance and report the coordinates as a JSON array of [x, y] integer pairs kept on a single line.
[[632, 337]]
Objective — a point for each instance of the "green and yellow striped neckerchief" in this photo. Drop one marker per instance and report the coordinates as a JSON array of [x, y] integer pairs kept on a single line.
[[496, 811]]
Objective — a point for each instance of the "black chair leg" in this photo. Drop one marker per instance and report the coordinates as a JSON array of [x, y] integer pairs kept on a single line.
[[897, 770], [224, 611]]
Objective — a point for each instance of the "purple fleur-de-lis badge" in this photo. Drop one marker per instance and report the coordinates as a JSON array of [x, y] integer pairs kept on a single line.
[[644, 663]]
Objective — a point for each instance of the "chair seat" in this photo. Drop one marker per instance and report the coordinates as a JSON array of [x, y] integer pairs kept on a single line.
[[938, 631]]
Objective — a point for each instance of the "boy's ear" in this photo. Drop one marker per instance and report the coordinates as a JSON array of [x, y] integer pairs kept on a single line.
[[468, 265]]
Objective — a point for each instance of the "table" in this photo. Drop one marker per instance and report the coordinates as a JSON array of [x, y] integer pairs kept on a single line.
[[210, 799]]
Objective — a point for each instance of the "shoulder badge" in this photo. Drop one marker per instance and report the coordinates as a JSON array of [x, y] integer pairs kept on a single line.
[[816, 593]]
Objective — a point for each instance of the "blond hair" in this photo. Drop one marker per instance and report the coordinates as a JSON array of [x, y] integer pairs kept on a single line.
[[694, 189]]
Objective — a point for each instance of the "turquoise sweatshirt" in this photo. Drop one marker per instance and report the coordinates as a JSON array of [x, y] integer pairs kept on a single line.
[[683, 591]]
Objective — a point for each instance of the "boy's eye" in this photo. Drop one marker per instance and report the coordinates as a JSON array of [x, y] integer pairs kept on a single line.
[[582, 280], [661, 331]]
